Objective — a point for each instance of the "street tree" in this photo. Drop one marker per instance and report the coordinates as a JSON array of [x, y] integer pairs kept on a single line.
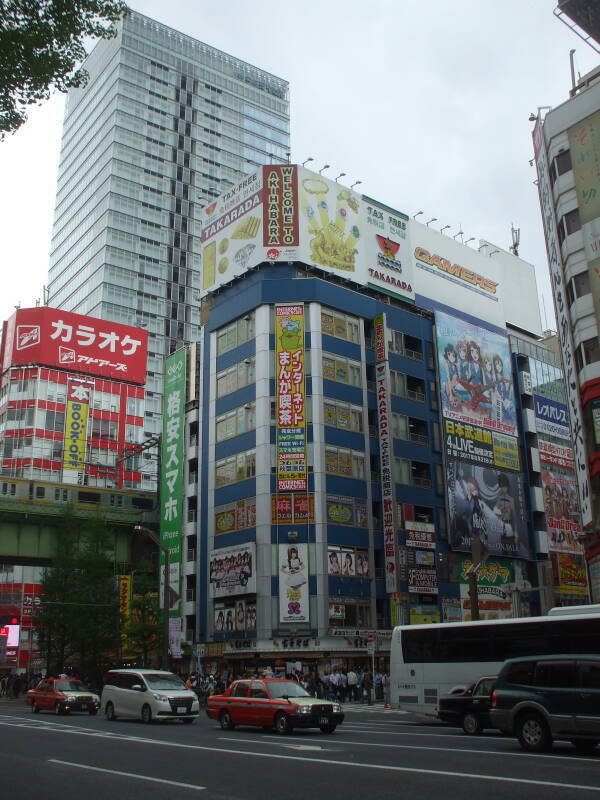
[[142, 633], [42, 48], [77, 620]]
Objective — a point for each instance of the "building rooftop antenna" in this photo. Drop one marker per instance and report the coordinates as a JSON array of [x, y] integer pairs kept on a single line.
[[516, 238]]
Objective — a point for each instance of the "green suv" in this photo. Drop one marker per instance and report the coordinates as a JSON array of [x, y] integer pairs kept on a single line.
[[539, 699]]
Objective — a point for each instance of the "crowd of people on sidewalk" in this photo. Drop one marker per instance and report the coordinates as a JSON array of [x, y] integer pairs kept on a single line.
[[353, 686], [13, 685]]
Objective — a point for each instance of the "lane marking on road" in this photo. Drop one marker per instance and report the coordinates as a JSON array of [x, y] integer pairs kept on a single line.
[[379, 767], [277, 742], [126, 774], [326, 761]]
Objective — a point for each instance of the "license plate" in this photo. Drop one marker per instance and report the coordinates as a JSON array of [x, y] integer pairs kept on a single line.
[[181, 709], [323, 720]]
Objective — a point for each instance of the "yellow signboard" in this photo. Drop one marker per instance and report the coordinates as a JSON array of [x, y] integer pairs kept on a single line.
[[76, 419]]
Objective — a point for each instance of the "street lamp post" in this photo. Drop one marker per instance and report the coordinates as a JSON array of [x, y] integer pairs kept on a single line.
[[166, 588]]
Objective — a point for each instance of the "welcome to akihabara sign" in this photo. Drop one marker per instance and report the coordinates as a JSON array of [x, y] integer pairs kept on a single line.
[[75, 343], [284, 213]]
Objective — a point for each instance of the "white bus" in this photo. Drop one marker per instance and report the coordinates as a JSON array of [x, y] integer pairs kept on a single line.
[[427, 661]]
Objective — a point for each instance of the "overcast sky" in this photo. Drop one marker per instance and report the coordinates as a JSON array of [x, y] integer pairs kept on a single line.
[[426, 102]]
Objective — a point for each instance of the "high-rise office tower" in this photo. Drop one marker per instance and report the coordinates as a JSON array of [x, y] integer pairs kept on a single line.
[[164, 124]]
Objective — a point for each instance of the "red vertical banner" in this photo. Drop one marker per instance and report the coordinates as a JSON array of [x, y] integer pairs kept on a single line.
[[280, 219]]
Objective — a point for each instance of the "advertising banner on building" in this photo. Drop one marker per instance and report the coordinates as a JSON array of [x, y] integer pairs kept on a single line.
[[124, 598], [232, 570], [556, 455], [494, 580], [551, 417], [347, 562], [284, 213], [294, 599], [76, 423], [172, 465], [448, 273], [420, 534], [480, 446], [563, 520], [475, 375], [563, 322], [292, 509], [76, 343], [290, 398], [584, 144], [422, 580], [423, 615], [570, 574], [237, 516], [384, 417], [351, 511], [488, 504], [387, 253]]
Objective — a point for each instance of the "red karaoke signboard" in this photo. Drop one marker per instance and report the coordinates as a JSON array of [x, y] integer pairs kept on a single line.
[[75, 343]]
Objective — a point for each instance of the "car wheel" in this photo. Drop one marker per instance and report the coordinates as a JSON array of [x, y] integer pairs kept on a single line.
[[584, 746], [328, 728], [188, 721], [58, 708], [146, 714], [109, 712], [533, 733], [471, 724], [226, 721], [282, 723], [35, 709]]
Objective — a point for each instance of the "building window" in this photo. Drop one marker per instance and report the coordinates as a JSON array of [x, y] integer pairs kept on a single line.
[[341, 326], [240, 420], [349, 614], [568, 224], [236, 377], [342, 370], [590, 351], [239, 332], [560, 165], [343, 415], [341, 461], [235, 468]]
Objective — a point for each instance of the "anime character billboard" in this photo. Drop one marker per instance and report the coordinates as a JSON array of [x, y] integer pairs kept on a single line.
[[475, 375], [489, 505]]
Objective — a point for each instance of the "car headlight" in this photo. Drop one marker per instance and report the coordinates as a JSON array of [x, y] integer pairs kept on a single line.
[[336, 708], [70, 699], [95, 698], [160, 697], [304, 709]]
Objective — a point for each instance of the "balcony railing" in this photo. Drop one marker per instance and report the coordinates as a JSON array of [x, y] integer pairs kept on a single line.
[[414, 395], [418, 438]]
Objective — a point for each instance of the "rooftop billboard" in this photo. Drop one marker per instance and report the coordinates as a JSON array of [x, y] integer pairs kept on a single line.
[[75, 343], [284, 213]]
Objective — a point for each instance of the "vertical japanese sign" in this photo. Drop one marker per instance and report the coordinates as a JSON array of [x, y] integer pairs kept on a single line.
[[76, 420], [171, 485], [563, 321], [291, 419], [280, 220], [384, 417]]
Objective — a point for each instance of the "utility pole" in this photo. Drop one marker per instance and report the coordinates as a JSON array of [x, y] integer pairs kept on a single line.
[[166, 588], [479, 556]]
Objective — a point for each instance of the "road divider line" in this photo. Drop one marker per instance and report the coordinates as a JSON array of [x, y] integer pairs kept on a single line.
[[127, 774]]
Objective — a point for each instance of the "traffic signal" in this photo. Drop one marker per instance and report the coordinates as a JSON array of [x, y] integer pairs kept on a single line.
[[9, 619]]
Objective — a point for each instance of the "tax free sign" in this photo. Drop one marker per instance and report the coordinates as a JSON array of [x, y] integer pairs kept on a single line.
[[171, 485]]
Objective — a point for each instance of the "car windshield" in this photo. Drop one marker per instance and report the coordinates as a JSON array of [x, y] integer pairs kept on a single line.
[[157, 681], [70, 686], [289, 688]]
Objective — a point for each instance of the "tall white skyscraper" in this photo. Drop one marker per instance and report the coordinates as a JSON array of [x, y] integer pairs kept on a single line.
[[164, 124]]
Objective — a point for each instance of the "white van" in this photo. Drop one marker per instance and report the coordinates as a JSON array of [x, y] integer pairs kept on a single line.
[[147, 694]]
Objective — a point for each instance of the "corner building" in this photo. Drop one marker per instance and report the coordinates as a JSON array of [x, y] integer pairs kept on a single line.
[[567, 152], [337, 432], [163, 126]]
